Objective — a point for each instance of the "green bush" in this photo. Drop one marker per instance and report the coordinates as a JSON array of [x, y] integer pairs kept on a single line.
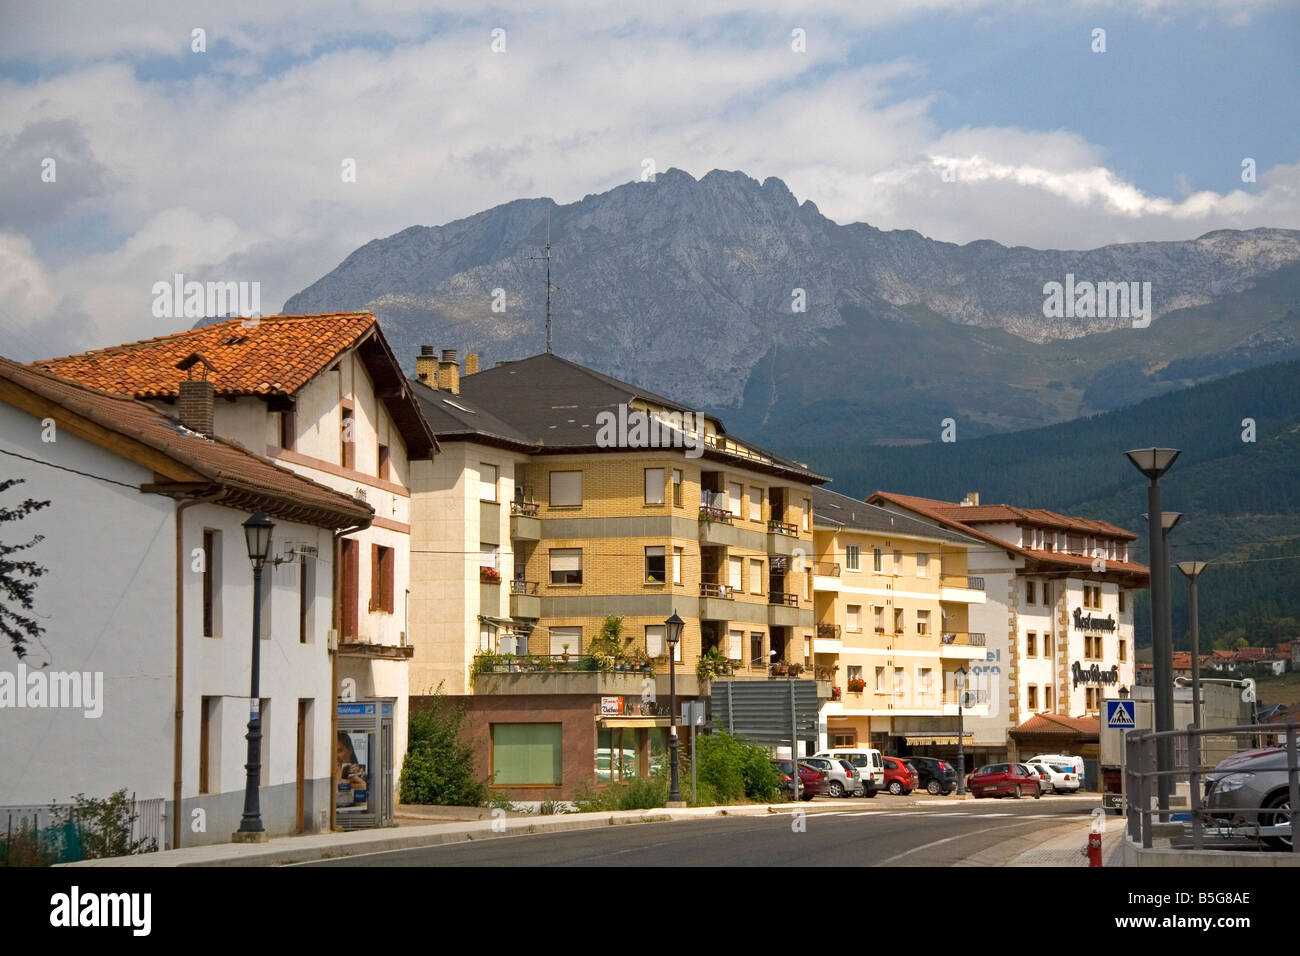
[[639, 793], [439, 765], [733, 769]]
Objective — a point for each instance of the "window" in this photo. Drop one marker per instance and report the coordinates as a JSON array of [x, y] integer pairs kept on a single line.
[[736, 645], [1091, 698], [677, 488], [878, 619], [382, 561], [877, 560], [755, 575], [1033, 696], [350, 593], [735, 491], [755, 504], [1123, 651], [807, 514], [922, 564], [654, 565], [527, 754], [677, 565], [654, 486], [306, 598], [1123, 595], [854, 617], [734, 567], [880, 680], [925, 680], [487, 636], [487, 482], [853, 557], [211, 583], [209, 743], [566, 489], [756, 648], [288, 429], [1030, 588], [898, 562], [1031, 644], [347, 442], [900, 681], [655, 640], [855, 672], [923, 622], [1047, 697], [899, 626], [562, 637], [381, 468], [488, 556], [566, 565]]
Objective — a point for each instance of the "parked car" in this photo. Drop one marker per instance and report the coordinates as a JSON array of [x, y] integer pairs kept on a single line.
[[1251, 789], [1044, 777], [937, 776], [1004, 780], [866, 761], [900, 777], [1060, 760], [1062, 777], [843, 780], [811, 782]]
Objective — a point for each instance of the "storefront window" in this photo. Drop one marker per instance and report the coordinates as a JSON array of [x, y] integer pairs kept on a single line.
[[526, 754]]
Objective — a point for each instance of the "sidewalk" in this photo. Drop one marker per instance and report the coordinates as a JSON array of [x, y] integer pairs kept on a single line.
[[1055, 846]]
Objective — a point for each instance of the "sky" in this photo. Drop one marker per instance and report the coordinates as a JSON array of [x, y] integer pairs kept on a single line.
[[961, 119]]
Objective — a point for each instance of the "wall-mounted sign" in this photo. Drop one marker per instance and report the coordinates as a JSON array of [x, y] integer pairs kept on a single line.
[[1094, 674], [611, 706], [1091, 622]]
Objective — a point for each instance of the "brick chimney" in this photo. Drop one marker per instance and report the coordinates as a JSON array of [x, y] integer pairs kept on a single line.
[[971, 500], [197, 395], [426, 366], [449, 372], [471, 363]]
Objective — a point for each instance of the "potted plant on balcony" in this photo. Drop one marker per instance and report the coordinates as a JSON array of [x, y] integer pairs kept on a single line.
[[565, 652], [857, 685], [711, 664], [489, 575], [605, 648], [835, 693]]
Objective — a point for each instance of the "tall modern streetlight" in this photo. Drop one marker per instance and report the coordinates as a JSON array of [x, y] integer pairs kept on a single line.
[[1192, 570], [673, 627], [257, 535], [1168, 521], [1154, 462], [959, 675]]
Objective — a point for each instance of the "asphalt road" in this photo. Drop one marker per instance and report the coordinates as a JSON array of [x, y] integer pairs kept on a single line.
[[829, 833]]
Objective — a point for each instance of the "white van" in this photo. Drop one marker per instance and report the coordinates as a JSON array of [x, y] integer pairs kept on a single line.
[[867, 762], [1060, 760]]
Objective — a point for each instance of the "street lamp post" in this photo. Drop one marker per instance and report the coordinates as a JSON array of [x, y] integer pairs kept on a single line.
[[673, 627], [960, 676], [1168, 520], [1192, 570], [1154, 462], [257, 535]]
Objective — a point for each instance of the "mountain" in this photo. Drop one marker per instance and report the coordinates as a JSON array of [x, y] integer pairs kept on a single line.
[[688, 287], [1240, 499]]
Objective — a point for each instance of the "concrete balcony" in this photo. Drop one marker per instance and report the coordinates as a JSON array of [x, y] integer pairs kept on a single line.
[[524, 523], [784, 611], [826, 576], [959, 645], [524, 600], [716, 603], [521, 679], [783, 539], [961, 589]]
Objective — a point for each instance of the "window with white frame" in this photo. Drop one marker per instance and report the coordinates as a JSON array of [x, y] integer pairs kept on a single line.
[[566, 565], [566, 640], [487, 636], [487, 482], [878, 618], [853, 557], [899, 624], [923, 622], [566, 489], [853, 617], [654, 486], [880, 680], [877, 560], [654, 565], [900, 681], [677, 565], [925, 681]]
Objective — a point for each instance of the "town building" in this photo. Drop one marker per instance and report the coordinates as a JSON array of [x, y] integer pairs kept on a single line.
[[140, 680], [1058, 614], [892, 595], [611, 504], [323, 396]]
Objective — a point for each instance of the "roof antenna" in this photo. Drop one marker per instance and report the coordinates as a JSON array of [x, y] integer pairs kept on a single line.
[[549, 287]]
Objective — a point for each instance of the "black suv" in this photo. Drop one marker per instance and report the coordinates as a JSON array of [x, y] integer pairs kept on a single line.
[[935, 775]]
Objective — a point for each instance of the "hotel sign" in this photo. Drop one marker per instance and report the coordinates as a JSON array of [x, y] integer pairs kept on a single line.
[[1091, 623], [1094, 674]]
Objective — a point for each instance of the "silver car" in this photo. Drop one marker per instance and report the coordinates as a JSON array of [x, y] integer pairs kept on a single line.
[[1251, 789], [843, 779]]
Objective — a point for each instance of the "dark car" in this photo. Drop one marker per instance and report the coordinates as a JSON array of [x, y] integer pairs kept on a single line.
[[900, 778], [935, 775], [811, 782], [1004, 780], [1251, 789]]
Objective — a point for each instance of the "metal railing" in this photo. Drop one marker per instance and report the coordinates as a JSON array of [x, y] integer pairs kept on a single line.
[[1230, 806], [962, 638], [709, 589], [550, 663], [527, 509], [520, 586], [708, 513], [43, 836], [831, 631], [782, 527], [961, 581], [784, 598], [827, 569]]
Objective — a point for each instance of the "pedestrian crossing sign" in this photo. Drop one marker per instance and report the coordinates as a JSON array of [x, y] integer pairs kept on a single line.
[[1119, 715]]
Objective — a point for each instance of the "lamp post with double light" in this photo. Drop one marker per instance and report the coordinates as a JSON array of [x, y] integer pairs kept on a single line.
[[257, 535], [673, 632]]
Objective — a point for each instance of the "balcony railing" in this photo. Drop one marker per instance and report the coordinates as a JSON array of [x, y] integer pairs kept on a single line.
[[973, 697], [781, 669], [961, 581], [962, 638], [528, 509], [782, 527], [549, 663], [710, 590], [709, 513], [520, 586], [831, 631], [827, 569], [824, 673], [783, 598]]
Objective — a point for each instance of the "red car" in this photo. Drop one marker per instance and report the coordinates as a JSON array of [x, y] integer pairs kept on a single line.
[[900, 776], [811, 782], [1004, 780]]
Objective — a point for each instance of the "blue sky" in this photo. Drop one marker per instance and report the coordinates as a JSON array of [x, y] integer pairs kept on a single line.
[[226, 163]]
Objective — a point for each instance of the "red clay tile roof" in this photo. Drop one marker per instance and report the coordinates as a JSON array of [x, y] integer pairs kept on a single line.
[[1043, 724], [1182, 659], [277, 356], [249, 481], [958, 517]]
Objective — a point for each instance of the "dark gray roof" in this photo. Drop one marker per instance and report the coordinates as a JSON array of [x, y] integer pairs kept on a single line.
[[459, 418], [554, 403], [832, 508]]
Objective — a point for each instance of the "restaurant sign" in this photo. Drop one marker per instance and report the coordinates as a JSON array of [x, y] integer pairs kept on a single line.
[[1094, 674], [1092, 623]]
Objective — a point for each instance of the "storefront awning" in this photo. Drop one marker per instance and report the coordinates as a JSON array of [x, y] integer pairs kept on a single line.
[[934, 740]]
